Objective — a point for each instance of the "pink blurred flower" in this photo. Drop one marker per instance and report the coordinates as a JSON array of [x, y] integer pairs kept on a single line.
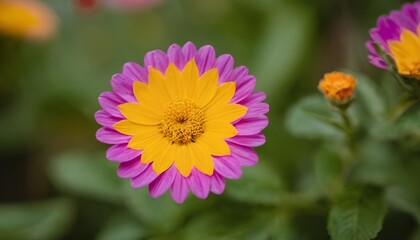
[[125, 5]]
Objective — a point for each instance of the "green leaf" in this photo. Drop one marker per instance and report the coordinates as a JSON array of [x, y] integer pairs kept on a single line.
[[328, 168], [226, 224], [85, 174], [378, 163], [406, 127], [259, 184], [162, 215], [41, 220], [404, 193], [358, 214], [304, 119], [122, 226], [416, 235], [284, 42], [405, 199]]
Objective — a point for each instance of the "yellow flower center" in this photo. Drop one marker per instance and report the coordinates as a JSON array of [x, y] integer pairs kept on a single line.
[[406, 53], [183, 121]]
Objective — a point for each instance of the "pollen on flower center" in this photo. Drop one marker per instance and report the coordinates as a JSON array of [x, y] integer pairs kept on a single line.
[[183, 121]]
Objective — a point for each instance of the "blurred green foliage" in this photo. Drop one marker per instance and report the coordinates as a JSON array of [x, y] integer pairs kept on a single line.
[[57, 184]]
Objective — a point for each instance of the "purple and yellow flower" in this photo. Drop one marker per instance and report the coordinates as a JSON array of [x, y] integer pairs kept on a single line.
[[398, 35], [28, 19], [185, 121]]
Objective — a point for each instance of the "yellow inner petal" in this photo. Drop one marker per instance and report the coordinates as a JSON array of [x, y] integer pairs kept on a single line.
[[140, 113], [184, 159], [406, 53], [181, 118]]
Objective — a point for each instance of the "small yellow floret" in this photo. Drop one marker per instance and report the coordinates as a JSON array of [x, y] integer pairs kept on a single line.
[[406, 53], [337, 86]]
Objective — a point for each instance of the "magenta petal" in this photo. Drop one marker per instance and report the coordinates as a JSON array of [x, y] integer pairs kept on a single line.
[[404, 21], [121, 153], [378, 61], [218, 184], [156, 59], [123, 86], [135, 72], [105, 119], [109, 102], [377, 38], [189, 51], [199, 184], [131, 168], [205, 58], [179, 189], [256, 109], [249, 141], [176, 56], [250, 126], [163, 182], [411, 11], [110, 136], [245, 155], [224, 65], [255, 97], [369, 45], [387, 30], [244, 88], [228, 167], [144, 178], [238, 73]]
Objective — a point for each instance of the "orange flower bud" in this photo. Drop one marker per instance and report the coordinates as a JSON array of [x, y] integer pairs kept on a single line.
[[337, 86]]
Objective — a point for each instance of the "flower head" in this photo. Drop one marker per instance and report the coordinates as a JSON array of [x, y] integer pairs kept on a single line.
[[185, 121], [29, 19], [337, 86], [398, 36]]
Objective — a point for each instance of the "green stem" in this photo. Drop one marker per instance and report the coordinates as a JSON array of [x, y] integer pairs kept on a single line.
[[404, 104], [348, 129], [401, 81], [328, 120]]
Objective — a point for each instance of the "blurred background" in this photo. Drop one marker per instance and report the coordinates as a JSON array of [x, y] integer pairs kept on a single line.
[[55, 182]]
